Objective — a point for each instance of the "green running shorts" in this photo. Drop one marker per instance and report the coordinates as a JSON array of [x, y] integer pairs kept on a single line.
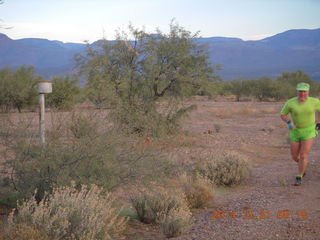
[[301, 134]]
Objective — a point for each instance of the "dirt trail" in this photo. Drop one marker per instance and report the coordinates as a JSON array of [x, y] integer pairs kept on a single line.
[[267, 206]]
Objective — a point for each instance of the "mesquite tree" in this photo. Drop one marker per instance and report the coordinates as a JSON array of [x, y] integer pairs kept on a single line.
[[139, 69]]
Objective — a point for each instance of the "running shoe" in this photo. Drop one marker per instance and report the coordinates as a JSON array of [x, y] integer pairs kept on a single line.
[[298, 181]]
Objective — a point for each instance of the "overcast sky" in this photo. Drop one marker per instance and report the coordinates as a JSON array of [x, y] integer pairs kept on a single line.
[[79, 20]]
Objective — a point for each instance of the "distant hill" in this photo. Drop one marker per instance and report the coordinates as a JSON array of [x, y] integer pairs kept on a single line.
[[285, 52], [48, 57]]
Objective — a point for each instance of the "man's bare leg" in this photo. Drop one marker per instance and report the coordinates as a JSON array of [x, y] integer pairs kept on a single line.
[[304, 153], [295, 151]]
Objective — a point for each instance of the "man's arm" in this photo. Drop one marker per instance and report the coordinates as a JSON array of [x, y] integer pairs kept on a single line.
[[285, 118], [318, 121]]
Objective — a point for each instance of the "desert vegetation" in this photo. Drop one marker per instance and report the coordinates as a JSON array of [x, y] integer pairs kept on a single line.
[[117, 134]]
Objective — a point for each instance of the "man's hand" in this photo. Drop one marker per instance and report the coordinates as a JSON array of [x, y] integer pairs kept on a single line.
[[291, 126], [318, 126]]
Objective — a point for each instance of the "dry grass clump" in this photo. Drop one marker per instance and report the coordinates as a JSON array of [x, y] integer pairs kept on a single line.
[[170, 211], [226, 168], [175, 222], [23, 232], [198, 190], [69, 213]]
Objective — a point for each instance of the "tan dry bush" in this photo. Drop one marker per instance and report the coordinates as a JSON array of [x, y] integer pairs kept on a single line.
[[69, 213], [82, 126], [226, 168], [167, 209], [175, 222], [197, 189], [22, 232]]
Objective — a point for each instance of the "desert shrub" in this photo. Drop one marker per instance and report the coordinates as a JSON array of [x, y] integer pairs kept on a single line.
[[169, 211], [87, 154], [145, 119], [197, 189], [82, 125], [99, 92], [22, 231], [175, 222], [65, 93], [69, 213], [226, 168], [85, 160], [18, 88]]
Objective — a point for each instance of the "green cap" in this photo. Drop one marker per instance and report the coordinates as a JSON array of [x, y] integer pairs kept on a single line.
[[303, 86]]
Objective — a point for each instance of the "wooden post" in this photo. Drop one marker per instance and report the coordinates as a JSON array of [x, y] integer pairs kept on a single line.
[[42, 118], [43, 87]]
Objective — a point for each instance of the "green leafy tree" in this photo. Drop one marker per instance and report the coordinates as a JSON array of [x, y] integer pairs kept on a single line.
[[18, 89], [99, 92], [6, 86], [65, 93], [239, 88], [262, 88], [286, 84], [137, 73], [283, 90]]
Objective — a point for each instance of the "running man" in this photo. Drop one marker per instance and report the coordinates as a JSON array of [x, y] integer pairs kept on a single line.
[[303, 127]]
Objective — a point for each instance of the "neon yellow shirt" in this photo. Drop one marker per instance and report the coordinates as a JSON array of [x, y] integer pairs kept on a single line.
[[302, 114]]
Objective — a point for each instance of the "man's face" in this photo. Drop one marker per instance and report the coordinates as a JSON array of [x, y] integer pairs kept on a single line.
[[303, 95]]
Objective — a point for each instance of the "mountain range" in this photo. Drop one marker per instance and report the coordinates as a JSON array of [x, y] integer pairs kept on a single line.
[[284, 52]]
